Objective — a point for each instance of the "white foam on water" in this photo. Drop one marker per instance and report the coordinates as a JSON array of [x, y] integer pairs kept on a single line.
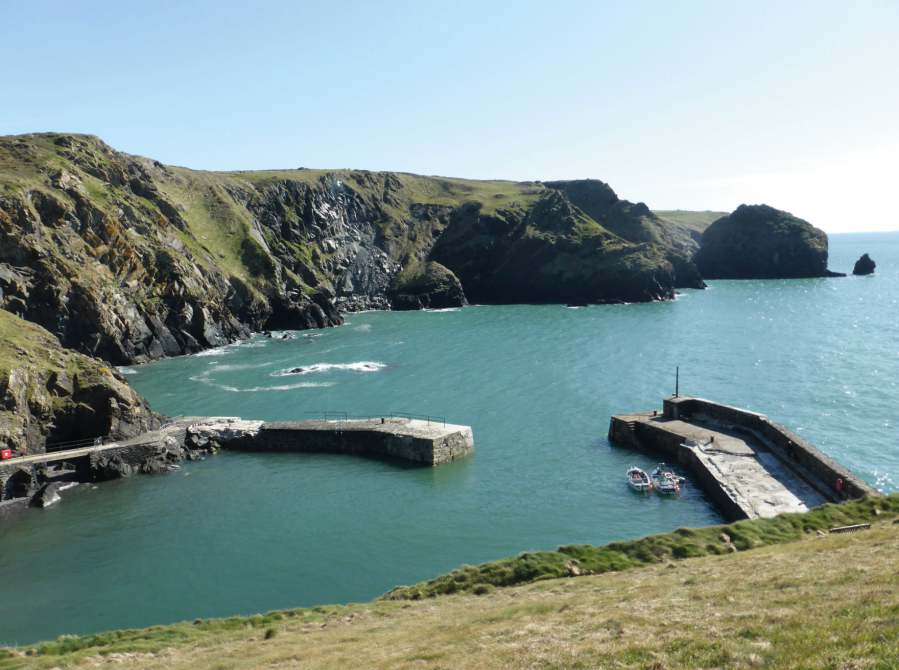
[[441, 311], [286, 387], [364, 327], [221, 351], [125, 370], [362, 366], [229, 368]]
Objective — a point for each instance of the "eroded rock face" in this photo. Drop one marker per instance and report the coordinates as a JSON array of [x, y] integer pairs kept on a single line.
[[864, 266], [426, 286], [760, 242], [130, 260], [52, 395], [46, 495], [549, 253]]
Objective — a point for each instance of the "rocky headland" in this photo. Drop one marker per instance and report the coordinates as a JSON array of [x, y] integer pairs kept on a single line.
[[760, 242], [112, 259], [129, 260]]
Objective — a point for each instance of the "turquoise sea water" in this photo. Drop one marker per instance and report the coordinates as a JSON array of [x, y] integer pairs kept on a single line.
[[241, 533]]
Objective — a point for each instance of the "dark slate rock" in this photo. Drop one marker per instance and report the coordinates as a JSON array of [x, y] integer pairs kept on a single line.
[[864, 266], [46, 495]]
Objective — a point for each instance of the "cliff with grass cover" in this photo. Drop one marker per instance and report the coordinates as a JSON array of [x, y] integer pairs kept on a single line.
[[50, 394], [760, 242], [131, 260]]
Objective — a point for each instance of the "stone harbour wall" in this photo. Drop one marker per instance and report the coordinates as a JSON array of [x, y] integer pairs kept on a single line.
[[816, 468], [396, 438]]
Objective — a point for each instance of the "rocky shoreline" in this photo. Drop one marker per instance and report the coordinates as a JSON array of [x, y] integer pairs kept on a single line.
[[109, 259], [129, 260]]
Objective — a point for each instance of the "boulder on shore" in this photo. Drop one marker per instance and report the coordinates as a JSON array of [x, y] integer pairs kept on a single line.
[[111, 468], [156, 466], [46, 495], [761, 242], [864, 266]]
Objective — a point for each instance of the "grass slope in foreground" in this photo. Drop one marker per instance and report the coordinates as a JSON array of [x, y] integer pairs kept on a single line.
[[800, 601]]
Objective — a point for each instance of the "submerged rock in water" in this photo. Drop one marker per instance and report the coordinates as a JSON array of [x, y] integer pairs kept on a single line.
[[864, 266]]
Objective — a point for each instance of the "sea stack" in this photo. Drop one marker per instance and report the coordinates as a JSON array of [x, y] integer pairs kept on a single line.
[[761, 242], [864, 266]]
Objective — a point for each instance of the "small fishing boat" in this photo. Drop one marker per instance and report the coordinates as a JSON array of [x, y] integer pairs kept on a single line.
[[638, 479], [665, 481]]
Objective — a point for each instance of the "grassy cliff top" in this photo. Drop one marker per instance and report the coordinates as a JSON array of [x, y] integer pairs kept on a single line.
[[24, 343], [813, 602], [695, 221], [774, 221]]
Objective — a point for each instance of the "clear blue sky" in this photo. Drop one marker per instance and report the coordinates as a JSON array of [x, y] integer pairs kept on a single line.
[[690, 105]]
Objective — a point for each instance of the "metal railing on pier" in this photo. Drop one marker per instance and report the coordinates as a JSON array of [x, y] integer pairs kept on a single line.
[[420, 417], [344, 416], [76, 444]]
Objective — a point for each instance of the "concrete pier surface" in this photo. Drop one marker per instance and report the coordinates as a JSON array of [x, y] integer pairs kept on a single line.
[[749, 465]]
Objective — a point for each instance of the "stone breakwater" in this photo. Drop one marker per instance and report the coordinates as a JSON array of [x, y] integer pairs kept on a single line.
[[26, 480], [751, 466], [428, 443]]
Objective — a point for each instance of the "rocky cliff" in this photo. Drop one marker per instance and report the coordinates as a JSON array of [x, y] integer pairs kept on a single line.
[[50, 395], [760, 242], [129, 260]]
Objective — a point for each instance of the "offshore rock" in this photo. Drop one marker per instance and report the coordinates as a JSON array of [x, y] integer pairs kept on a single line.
[[864, 266], [760, 242]]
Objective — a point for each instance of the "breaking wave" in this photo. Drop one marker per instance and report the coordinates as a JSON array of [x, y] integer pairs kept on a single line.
[[285, 387], [363, 366], [221, 351]]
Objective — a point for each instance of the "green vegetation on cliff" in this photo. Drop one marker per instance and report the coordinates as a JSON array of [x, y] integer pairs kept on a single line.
[[132, 260], [783, 597], [761, 242], [688, 226], [50, 394], [682, 543]]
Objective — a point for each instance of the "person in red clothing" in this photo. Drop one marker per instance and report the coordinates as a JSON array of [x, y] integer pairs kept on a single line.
[[840, 488]]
